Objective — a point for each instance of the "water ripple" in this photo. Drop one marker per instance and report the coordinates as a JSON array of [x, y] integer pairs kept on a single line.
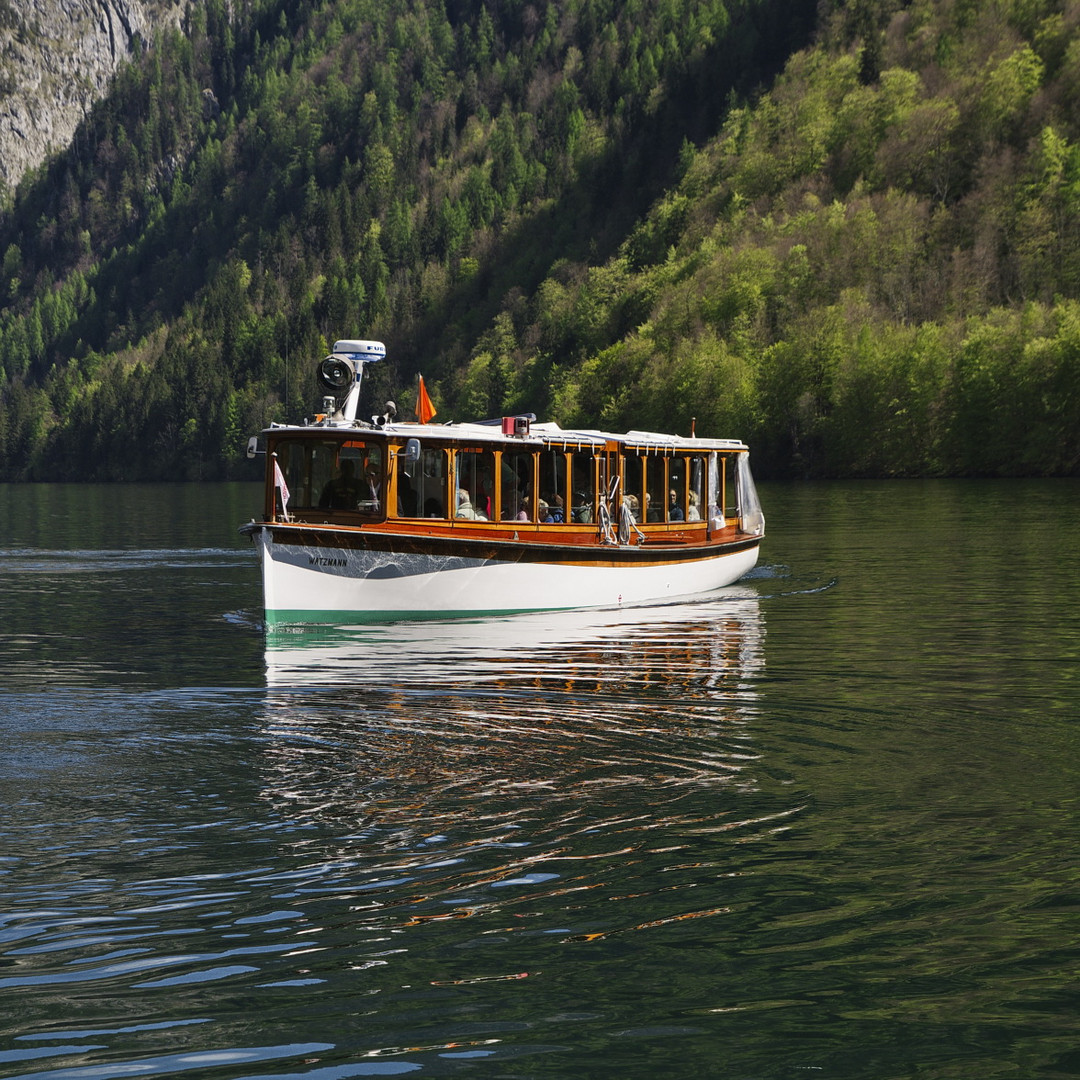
[[608, 845], [536, 781], [20, 561], [169, 1063]]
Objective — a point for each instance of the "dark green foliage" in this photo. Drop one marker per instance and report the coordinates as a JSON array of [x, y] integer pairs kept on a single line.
[[582, 209]]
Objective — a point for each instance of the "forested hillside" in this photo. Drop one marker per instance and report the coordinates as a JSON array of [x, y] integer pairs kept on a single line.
[[854, 242]]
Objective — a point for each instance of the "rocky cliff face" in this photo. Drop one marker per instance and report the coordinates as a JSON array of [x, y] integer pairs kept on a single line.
[[56, 59]]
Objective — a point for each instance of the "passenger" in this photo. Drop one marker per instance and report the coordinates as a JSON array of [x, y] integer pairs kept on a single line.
[[556, 510], [674, 509], [582, 508], [482, 504], [465, 508], [544, 513], [651, 513], [342, 492], [692, 513], [632, 504], [525, 513]]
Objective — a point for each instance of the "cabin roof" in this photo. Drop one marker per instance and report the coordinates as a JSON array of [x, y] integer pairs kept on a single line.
[[540, 434]]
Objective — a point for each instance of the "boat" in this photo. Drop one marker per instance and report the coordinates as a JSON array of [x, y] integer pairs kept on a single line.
[[381, 520]]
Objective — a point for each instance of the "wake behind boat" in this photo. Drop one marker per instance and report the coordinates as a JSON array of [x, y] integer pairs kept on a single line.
[[383, 521]]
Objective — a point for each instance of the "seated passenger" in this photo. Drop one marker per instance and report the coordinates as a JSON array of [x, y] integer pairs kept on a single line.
[[555, 510], [652, 513], [632, 504], [582, 508], [693, 514], [465, 507], [544, 514], [342, 492], [674, 509]]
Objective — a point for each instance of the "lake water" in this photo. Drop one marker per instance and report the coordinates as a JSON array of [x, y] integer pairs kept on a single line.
[[825, 824]]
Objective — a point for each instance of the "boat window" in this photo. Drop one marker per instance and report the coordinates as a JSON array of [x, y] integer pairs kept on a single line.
[[372, 478], [474, 484], [728, 490], [516, 486], [715, 517], [633, 478], [676, 497], [655, 488], [582, 487], [424, 493], [695, 489], [293, 458], [331, 475], [552, 472]]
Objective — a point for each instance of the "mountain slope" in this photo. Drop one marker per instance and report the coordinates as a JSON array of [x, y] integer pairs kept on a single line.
[[578, 208], [387, 169], [57, 57], [874, 270]]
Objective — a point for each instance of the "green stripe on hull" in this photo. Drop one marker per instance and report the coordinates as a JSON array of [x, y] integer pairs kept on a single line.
[[299, 616]]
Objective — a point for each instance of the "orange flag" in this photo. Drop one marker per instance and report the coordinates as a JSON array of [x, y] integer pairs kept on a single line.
[[424, 409]]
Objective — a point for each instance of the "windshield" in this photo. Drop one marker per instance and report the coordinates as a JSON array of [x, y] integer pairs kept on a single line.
[[331, 474]]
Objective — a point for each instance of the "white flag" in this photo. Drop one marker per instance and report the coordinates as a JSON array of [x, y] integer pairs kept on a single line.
[[279, 482]]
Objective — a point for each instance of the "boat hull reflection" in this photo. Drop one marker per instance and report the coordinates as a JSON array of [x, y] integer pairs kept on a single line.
[[429, 725], [469, 649]]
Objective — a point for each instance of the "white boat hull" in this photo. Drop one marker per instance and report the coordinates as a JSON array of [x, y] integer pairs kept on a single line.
[[338, 584]]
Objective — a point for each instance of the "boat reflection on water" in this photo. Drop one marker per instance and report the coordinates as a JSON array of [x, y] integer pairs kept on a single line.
[[409, 651], [416, 725]]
